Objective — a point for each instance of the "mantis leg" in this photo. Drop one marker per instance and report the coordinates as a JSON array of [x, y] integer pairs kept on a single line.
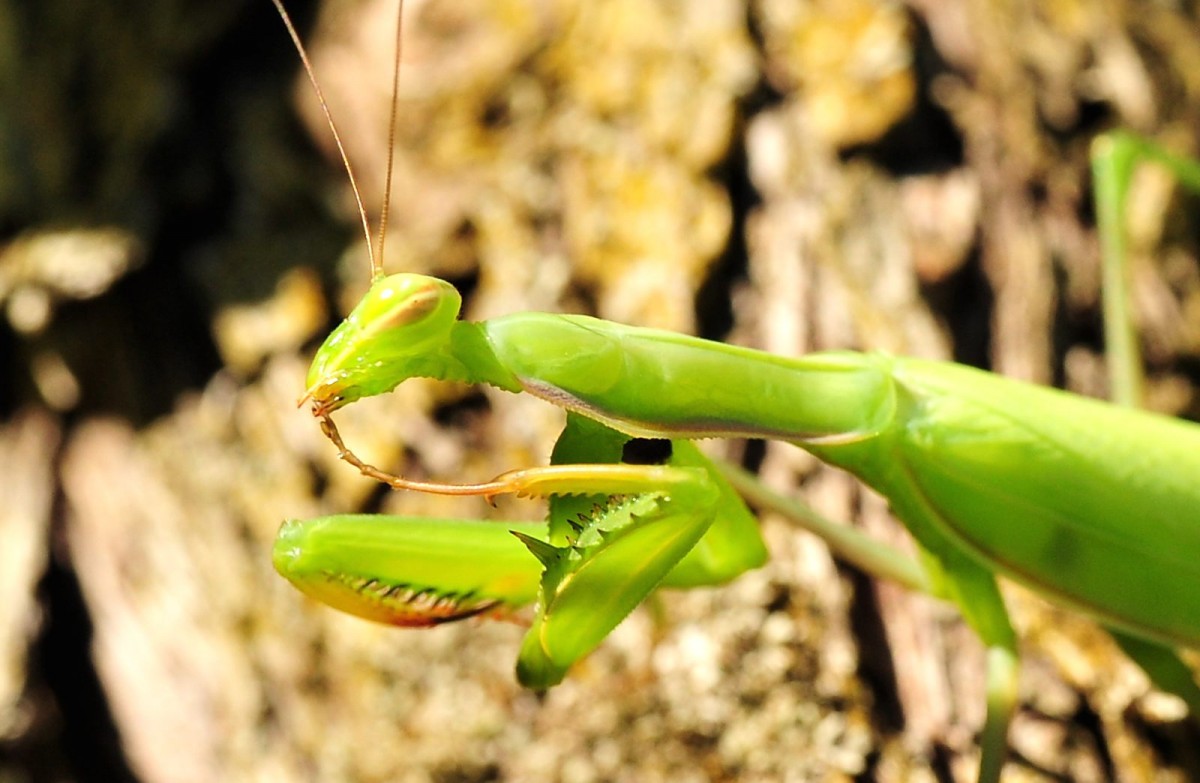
[[972, 588], [679, 524], [1164, 666], [421, 572], [405, 571], [958, 579], [730, 547], [977, 595], [848, 543], [616, 532], [1114, 156]]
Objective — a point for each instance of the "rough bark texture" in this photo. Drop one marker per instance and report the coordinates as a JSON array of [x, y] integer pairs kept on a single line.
[[791, 175]]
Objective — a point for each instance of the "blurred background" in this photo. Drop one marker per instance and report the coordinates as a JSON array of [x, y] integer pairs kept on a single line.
[[176, 237]]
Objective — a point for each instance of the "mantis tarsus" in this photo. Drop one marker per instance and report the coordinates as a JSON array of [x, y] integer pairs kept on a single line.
[[1092, 505]]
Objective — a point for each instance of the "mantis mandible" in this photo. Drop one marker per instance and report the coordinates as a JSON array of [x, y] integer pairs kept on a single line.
[[1093, 505]]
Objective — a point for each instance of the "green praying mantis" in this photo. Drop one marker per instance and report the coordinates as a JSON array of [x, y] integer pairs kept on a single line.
[[1093, 505]]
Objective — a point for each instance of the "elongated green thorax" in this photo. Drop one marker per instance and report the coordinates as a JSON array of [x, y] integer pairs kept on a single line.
[[657, 384], [405, 327]]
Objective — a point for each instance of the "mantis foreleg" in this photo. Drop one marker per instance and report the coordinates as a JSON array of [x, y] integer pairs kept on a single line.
[[616, 532]]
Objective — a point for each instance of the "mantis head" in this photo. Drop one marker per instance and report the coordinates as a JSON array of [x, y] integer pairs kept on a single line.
[[401, 329]]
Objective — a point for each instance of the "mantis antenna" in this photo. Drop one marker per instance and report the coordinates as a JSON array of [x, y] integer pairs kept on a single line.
[[487, 489], [375, 256]]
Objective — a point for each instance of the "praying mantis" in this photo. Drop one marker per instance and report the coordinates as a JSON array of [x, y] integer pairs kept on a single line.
[[1090, 504]]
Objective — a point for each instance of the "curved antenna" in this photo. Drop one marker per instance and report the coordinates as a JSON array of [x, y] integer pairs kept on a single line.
[[376, 260]]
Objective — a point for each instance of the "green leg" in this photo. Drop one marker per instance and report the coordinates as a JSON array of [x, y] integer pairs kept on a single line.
[[977, 595], [847, 543], [1166, 669], [732, 545], [617, 531], [972, 588], [1114, 156], [1002, 669]]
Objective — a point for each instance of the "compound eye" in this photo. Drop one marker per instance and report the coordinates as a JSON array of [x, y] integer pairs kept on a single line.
[[402, 304]]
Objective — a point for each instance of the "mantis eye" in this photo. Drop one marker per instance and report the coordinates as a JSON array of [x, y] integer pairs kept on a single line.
[[415, 305], [402, 303]]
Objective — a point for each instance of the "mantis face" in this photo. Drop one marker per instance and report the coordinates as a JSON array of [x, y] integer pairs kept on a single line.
[[401, 329]]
